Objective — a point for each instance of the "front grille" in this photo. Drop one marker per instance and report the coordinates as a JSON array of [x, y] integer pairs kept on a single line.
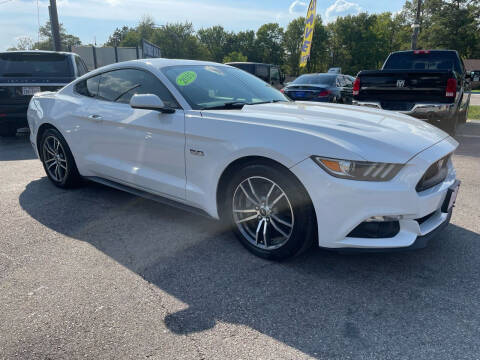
[[434, 175], [397, 105]]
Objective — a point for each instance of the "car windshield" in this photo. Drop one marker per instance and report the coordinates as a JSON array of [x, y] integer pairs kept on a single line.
[[220, 87], [315, 79], [35, 64], [423, 61]]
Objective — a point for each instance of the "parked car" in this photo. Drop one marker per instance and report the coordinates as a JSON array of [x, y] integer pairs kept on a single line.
[[24, 73], [428, 84], [269, 73], [335, 88], [281, 174], [335, 70]]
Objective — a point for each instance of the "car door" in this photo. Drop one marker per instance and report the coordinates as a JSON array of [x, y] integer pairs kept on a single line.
[[137, 147]]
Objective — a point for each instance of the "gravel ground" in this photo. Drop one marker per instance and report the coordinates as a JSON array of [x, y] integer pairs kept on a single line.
[[95, 273]]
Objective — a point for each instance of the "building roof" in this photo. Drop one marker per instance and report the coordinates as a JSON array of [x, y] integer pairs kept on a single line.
[[472, 64]]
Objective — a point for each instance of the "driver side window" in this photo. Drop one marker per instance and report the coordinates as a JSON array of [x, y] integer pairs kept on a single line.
[[120, 85]]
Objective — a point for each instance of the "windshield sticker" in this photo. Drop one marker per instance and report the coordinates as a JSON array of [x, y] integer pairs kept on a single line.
[[186, 78]]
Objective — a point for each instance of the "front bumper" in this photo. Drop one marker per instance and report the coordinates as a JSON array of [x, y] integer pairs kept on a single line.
[[426, 111], [341, 205]]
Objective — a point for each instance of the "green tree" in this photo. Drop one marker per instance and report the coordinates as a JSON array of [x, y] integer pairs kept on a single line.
[[23, 43], [118, 36], [292, 42], [67, 40], [269, 43], [235, 56], [244, 42], [179, 40], [216, 40], [318, 61]]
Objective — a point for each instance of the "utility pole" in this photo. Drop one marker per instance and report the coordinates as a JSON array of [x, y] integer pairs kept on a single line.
[[52, 9], [416, 25]]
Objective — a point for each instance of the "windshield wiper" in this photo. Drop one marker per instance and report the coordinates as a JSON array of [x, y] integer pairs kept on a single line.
[[267, 102], [227, 105], [238, 104]]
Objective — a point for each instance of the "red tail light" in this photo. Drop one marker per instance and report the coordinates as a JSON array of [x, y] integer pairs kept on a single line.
[[356, 86], [451, 90], [3, 115], [323, 93], [282, 90], [416, 52]]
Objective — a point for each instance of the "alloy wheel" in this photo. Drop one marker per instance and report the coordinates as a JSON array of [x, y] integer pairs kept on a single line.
[[263, 213], [55, 159]]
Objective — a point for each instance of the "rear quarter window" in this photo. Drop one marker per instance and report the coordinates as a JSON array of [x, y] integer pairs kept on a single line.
[[88, 87]]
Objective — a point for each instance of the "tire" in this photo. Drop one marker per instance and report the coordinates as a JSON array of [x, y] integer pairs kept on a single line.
[[57, 160], [463, 116], [7, 129], [274, 221], [450, 125]]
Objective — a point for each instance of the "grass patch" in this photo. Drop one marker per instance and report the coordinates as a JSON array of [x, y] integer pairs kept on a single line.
[[476, 91], [474, 112]]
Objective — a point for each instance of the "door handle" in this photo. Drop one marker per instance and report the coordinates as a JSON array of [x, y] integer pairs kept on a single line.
[[95, 117]]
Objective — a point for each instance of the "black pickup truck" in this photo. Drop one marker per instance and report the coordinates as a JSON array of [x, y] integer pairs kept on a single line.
[[428, 84], [24, 73]]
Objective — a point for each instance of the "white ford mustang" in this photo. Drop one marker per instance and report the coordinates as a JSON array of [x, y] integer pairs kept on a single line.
[[283, 174]]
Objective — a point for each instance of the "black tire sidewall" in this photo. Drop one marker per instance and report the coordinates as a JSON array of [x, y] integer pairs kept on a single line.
[[72, 177], [304, 223]]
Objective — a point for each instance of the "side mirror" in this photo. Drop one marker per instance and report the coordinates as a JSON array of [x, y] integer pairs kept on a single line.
[[149, 102]]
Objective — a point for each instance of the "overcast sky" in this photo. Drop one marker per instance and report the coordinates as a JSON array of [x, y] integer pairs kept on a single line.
[[97, 19]]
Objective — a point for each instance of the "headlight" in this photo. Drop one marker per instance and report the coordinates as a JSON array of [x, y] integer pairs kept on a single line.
[[358, 170]]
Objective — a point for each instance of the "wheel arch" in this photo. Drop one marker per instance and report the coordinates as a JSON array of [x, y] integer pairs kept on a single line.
[[41, 130], [242, 162]]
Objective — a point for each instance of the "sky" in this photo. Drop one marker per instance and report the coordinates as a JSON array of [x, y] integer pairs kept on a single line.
[[95, 20]]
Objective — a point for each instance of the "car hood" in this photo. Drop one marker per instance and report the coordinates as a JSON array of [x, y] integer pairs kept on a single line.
[[374, 135]]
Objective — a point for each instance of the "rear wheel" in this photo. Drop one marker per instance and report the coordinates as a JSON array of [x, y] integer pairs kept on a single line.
[[58, 160], [270, 211]]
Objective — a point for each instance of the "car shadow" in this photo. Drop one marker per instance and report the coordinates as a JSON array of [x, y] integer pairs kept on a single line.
[[16, 148], [322, 303]]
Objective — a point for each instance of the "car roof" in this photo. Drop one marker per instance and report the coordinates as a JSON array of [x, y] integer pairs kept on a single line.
[[248, 62], [163, 62], [37, 52]]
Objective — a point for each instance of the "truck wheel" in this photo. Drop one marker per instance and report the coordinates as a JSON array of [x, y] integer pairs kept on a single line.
[[8, 130], [450, 125]]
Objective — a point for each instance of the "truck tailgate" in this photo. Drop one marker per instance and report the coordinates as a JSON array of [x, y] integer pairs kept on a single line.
[[400, 89]]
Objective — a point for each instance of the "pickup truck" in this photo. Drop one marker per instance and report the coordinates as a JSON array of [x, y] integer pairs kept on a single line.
[[24, 73], [431, 85]]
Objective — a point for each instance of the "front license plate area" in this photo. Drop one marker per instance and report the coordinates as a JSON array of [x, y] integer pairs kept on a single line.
[[30, 90], [451, 197]]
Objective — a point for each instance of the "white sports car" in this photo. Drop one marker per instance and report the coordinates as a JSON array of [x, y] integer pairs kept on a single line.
[[218, 140]]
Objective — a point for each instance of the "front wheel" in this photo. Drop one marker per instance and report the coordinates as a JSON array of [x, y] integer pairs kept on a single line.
[[270, 211]]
